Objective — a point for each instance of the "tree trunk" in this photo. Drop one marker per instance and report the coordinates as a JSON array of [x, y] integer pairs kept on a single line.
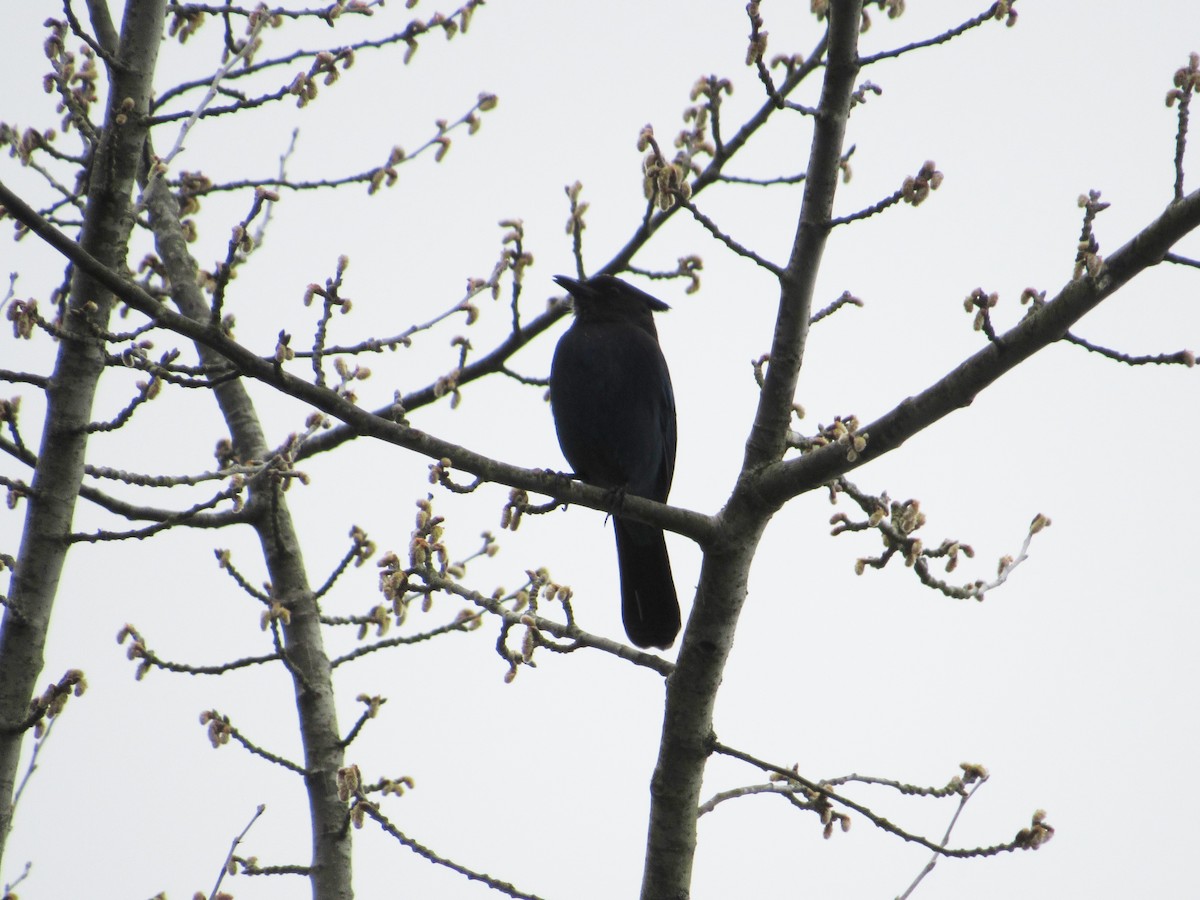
[[115, 160], [692, 688], [303, 641]]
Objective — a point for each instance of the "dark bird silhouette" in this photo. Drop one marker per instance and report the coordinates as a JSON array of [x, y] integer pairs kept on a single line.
[[614, 411]]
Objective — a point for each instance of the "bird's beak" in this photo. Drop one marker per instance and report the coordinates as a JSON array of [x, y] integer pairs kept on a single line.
[[573, 285]]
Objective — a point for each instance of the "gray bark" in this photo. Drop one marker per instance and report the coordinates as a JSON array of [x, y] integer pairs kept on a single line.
[[692, 688], [59, 473], [302, 638]]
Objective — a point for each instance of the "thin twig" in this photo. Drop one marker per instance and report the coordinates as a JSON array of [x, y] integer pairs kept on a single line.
[[875, 819], [846, 299], [729, 242], [1181, 260], [1179, 357], [8, 888], [749, 790], [459, 624], [365, 806], [763, 182], [30, 769], [211, 95], [933, 860], [233, 848], [871, 210], [989, 13]]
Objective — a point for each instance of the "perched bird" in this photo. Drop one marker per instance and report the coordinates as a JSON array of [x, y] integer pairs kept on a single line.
[[614, 412]]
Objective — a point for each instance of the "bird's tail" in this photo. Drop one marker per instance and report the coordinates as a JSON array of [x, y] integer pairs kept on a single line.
[[649, 606]]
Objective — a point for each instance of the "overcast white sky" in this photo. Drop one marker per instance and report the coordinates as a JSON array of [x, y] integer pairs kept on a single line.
[[1075, 684]]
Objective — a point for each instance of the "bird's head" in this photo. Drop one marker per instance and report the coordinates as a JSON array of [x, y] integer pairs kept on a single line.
[[606, 298]]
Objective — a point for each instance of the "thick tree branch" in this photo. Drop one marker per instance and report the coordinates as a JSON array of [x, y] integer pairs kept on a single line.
[[363, 422], [106, 32], [692, 689], [303, 650], [69, 398], [494, 361], [960, 386], [768, 436]]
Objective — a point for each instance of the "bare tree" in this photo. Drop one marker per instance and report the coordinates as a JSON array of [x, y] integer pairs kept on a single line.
[[122, 193]]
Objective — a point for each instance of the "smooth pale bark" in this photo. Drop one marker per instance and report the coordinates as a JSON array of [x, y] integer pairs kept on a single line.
[[302, 636], [692, 688], [59, 472]]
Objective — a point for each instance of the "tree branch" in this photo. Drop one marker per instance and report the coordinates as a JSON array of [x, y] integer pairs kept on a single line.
[[692, 689], [960, 386], [768, 436], [697, 526], [115, 162]]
